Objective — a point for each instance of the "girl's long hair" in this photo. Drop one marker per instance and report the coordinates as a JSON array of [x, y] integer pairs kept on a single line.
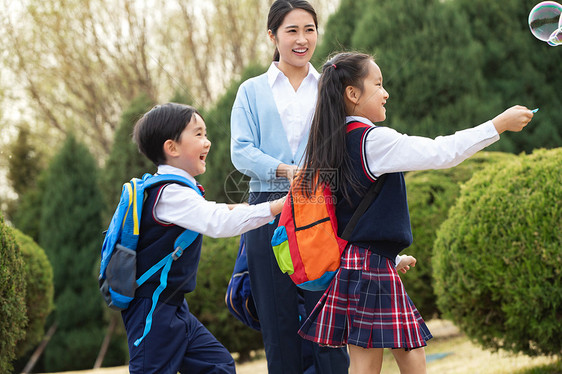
[[279, 9], [326, 148]]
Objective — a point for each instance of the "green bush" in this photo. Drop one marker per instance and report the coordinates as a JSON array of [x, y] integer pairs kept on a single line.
[[497, 257], [12, 297], [38, 291], [430, 195], [207, 301]]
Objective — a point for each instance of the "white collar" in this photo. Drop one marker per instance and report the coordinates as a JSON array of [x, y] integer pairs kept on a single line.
[[169, 169], [273, 73], [360, 119]]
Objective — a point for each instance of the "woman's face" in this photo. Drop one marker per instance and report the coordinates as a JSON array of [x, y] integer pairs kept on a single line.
[[296, 39]]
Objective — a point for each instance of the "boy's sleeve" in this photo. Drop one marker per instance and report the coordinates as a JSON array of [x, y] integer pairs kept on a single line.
[[182, 206], [244, 143]]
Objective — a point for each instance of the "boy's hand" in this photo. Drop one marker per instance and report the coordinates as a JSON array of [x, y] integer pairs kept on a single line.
[[513, 119], [405, 263], [277, 205]]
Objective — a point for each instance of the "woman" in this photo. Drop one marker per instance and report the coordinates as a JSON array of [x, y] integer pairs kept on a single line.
[[270, 124]]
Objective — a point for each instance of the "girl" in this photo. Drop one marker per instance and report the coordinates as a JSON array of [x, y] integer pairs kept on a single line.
[[270, 123], [366, 306]]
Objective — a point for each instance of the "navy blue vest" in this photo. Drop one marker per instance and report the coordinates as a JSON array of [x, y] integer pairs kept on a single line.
[[385, 227], [156, 240]]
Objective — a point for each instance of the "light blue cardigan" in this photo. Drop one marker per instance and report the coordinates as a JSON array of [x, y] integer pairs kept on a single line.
[[258, 141]]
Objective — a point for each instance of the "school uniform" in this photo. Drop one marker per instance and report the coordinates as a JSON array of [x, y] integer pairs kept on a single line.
[[177, 341], [366, 304], [270, 123]]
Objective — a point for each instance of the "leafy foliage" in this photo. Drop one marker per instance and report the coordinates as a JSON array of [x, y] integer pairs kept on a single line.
[[207, 302], [39, 290], [449, 65], [431, 193], [70, 233], [497, 256], [125, 161], [12, 297]]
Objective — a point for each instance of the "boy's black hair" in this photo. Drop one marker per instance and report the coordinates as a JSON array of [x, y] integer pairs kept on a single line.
[[159, 124], [279, 10]]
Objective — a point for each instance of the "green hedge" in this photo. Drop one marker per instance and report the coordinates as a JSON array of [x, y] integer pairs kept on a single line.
[[12, 297], [430, 195], [497, 257], [207, 301], [39, 290]]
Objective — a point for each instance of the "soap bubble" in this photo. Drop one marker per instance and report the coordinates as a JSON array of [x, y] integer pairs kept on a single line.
[[545, 22]]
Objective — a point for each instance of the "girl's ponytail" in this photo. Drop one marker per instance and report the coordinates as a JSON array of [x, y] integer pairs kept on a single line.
[[326, 147]]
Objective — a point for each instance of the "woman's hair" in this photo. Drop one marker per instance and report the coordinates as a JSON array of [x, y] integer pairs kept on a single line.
[[159, 124], [279, 9], [326, 147]]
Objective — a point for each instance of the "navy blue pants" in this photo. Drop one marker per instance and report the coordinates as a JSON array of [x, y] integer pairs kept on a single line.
[[176, 342], [277, 303]]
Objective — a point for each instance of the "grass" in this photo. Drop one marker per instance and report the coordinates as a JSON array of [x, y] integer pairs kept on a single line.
[[454, 353]]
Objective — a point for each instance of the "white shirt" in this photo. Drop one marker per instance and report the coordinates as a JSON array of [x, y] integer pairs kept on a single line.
[[389, 151], [296, 108], [184, 207]]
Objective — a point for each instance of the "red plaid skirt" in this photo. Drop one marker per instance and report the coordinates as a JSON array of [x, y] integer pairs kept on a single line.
[[366, 305]]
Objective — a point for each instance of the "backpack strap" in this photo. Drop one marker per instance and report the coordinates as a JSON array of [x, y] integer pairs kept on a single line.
[[182, 242]]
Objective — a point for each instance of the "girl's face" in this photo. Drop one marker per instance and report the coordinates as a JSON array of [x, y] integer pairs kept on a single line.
[[368, 102], [296, 39]]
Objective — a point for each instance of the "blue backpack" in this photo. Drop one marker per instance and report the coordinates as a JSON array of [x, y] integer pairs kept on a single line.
[[118, 279]]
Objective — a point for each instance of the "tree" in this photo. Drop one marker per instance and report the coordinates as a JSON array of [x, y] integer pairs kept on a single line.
[[70, 233], [24, 165], [221, 180], [449, 65], [125, 161], [80, 63]]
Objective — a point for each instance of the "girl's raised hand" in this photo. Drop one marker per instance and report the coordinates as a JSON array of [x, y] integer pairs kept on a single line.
[[513, 119]]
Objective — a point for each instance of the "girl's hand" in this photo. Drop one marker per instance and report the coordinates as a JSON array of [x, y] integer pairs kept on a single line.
[[405, 263], [513, 119]]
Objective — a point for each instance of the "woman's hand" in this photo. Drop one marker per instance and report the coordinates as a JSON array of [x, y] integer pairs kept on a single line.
[[286, 171], [513, 119]]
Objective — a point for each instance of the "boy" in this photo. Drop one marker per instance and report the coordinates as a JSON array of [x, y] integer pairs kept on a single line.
[[173, 137]]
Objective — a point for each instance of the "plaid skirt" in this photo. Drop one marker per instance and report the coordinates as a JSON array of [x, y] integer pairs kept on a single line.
[[366, 305]]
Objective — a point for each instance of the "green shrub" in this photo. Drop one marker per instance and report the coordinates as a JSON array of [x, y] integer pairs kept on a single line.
[[38, 290], [207, 301], [497, 257], [430, 195], [12, 297]]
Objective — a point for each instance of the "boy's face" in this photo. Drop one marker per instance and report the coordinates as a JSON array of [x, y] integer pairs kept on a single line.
[[191, 151]]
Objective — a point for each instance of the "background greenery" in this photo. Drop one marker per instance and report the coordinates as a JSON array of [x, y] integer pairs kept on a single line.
[[497, 256]]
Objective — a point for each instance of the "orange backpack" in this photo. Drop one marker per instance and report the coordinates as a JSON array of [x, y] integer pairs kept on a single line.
[[306, 242]]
